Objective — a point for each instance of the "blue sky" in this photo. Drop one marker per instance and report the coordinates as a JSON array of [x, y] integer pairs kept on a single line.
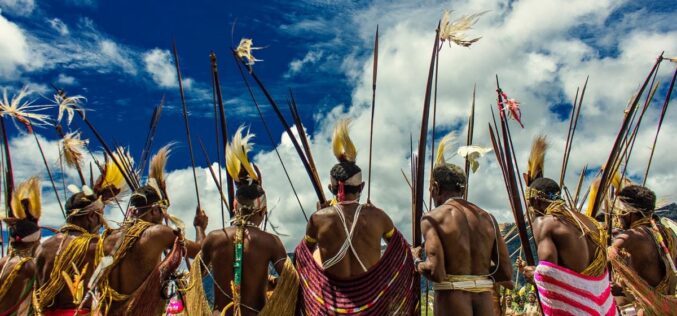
[[116, 53]]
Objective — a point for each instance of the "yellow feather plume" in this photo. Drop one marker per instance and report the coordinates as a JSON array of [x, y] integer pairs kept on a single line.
[[157, 167], [72, 147], [237, 156], [341, 144], [443, 147], [28, 191], [536, 159], [112, 179], [594, 186]]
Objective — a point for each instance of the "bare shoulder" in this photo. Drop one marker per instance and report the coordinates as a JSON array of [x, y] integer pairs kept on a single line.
[[48, 245], [375, 211], [216, 238], [546, 224], [28, 270]]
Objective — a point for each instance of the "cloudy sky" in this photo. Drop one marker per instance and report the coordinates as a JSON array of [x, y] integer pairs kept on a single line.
[[117, 55]]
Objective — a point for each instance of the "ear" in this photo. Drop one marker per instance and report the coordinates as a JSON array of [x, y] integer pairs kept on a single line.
[[361, 186], [331, 188]]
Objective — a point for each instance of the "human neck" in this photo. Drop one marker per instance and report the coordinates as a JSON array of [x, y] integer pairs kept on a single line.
[[446, 196], [22, 250], [83, 224]]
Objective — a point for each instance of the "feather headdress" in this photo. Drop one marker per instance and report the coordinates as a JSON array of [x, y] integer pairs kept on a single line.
[[341, 144], [244, 51], [72, 147], [472, 153], [68, 105], [112, 182], [443, 146], [536, 159], [237, 160], [26, 198], [454, 31], [156, 174], [23, 110]]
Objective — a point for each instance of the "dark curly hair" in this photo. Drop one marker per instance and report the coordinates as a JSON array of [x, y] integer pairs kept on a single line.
[[79, 200], [548, 187], [144, 196], [638, 197], [449, 177]]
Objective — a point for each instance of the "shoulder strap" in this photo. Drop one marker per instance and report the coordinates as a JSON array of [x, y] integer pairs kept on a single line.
[[347, 243]]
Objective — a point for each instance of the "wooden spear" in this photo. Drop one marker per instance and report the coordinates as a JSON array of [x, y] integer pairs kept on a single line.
[[469, 140], [224, 129], [187, 125], [373, 109], [660, 123]]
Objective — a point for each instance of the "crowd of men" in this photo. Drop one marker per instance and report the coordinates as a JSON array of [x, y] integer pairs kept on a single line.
[[339, 266]]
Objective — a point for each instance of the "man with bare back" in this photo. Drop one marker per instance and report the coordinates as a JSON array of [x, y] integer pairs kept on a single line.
[[465, 252], [347, 237], [240, 254]]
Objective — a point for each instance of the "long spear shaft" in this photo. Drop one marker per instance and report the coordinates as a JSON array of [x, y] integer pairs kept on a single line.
[[420, 163], [184, 108], [512, 183], [217, 141], [373, 110], [630, 143], [211, 171], [9, 175], [304, 139], [224, 130], [469, 140], [573, 123], [49, 173], [660, 123], [272, 143], [613, 156], [297, 146]]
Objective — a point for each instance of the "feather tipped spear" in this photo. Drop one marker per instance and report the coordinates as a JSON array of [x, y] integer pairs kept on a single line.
[[152, 128], [373, 110], [184, 109], [660, 123], [469, 140], [224, 129], [272, 143], [239, 57], [63, 101], [417, 210], [25, 112]]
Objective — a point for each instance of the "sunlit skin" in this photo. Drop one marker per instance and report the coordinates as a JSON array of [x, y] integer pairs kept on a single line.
[[27, 272], [260, 249], [460, 239], [645, 257], [47, 251], [326, 227], [558, 242], [147, 252]]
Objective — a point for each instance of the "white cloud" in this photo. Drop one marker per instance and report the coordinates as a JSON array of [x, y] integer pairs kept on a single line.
[[18, 7], [296, 65], [83, 3], [66, 80], [117, 55], [158, 63], [14, 47], [58, 26], [540, 68]]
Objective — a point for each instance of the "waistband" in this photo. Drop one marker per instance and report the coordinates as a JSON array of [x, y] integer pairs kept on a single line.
[[466, 283]]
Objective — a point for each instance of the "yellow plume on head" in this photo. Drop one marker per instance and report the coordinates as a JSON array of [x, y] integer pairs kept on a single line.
[[536, 159], [237, 156], [157, 167], [594, 186], [442, 147], [28, 191], [112, 180], [341, 144]]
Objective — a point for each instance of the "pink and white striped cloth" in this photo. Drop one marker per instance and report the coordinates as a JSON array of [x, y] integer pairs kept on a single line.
[[565, 292]]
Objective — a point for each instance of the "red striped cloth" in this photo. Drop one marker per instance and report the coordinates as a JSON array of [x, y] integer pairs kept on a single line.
[[387, 288], [566, 292]]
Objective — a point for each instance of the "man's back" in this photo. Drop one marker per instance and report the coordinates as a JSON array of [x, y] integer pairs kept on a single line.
[[645, 257], [565, 243], [469, 239], [327, 227], [260, 249], [139, 260], [22, 277], [45, 258]]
